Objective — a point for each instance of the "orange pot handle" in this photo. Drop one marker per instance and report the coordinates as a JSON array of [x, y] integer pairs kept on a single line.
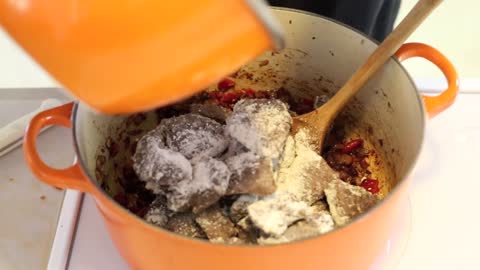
[[433, 104], [72, 177]]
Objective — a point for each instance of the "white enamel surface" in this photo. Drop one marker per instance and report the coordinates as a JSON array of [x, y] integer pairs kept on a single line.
[[92, 129]]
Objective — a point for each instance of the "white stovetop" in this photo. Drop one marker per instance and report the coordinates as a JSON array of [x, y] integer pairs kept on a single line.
[[444, 197]]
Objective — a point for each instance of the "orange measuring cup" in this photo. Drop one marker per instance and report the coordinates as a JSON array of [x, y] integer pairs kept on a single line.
[[124, 56]]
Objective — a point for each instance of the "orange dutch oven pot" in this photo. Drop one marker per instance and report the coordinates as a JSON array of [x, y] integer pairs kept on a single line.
[[321, 54]]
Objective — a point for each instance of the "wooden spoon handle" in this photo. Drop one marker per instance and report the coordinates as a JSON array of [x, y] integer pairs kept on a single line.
[[383, 52]]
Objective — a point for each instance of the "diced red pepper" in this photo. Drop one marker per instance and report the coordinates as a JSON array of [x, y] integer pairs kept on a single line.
[[230, 98], [225, 85], [263, 94], [214, 94], [250, 93], [352, 145], [370, 185]]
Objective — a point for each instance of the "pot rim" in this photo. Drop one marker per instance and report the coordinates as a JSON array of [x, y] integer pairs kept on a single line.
[[356, 220]]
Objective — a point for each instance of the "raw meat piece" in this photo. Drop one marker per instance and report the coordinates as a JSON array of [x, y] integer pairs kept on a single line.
[[248, 230], [211, 110], [250, 174], [238, 210], [307, 175], [194, 135], [159, 167], [288, 155], [320, 206], [261, 125], [158, 213], [208, 184], [216, 225], [184, 224], [347, 201], [234, 148]]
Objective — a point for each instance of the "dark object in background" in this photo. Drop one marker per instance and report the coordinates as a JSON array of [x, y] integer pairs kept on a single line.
[[372, 17]]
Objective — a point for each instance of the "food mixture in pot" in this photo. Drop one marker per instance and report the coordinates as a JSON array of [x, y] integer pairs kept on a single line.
[[224, 166]]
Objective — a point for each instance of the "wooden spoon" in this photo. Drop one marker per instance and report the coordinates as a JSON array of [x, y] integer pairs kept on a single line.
[[317, 123]]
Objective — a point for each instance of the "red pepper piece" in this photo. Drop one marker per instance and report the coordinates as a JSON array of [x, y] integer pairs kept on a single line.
[[370, 185], [230, 98], [215, 94], [250, 93], [262, 94], [225, 85], [352, 145]]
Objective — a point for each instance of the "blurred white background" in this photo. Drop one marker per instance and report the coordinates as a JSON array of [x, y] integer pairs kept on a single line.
[[454, 29]]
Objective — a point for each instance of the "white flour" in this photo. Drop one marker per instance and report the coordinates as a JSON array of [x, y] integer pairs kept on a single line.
[[262, 158], [261, 125], [297, 175], [315, 224], [208, 184], [298, 187], [273, 214], [158, 166]]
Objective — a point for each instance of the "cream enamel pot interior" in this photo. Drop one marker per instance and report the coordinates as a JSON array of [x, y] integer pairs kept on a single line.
[[321, 55]]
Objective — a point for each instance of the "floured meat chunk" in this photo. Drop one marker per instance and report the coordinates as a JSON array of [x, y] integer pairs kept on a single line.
[[234, 148], [244, 237], [211, 110], [275, 213], [306, 174], [157, 166], [249, 229], [250, 174], [262, 126], [158, 213], [216, 225], [238, 210], [317, 224], [301, 181], [240, 177], [184, 224], [347, 201], [194, 135], [246, 224], [208, 184], [288, 155], [319, 206]]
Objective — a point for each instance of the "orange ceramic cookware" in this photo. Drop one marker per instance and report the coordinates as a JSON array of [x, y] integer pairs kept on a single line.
[[124, 56], [322, 54]]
